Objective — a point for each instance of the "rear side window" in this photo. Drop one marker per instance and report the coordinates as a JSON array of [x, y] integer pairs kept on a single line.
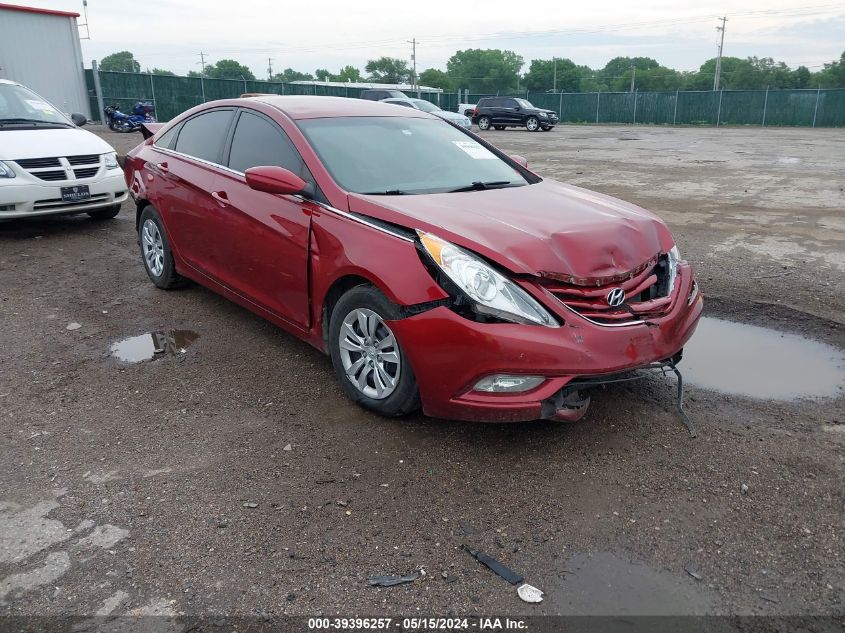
[[168, 139], [257, 141], [203, 135]]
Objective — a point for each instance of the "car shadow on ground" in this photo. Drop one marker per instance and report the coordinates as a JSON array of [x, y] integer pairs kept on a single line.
[[49, 226]]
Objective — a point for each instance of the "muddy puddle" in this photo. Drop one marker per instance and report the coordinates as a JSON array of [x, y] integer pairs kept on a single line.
[[605, 584], [136, 349], [761, 363]]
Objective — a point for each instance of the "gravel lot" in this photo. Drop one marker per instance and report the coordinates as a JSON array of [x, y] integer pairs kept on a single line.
[[235, 479]]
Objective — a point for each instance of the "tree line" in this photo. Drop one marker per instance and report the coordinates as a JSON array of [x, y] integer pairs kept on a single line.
[[495, 70]]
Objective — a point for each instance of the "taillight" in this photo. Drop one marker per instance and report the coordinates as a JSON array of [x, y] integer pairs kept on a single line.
[[475, 111]]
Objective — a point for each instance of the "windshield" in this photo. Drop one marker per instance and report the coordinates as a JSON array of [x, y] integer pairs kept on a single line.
[[19, 104], [396, 155], [525, 104], [425, 106]]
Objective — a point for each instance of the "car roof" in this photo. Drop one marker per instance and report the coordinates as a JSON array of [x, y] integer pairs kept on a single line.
[[312, 107]]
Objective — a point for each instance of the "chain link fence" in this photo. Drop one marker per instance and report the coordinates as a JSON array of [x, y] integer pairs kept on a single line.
[[172, 95]]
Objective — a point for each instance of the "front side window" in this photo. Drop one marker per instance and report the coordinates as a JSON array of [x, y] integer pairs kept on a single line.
[[202, 136], [525, 104], [394, 155], [257, 141]]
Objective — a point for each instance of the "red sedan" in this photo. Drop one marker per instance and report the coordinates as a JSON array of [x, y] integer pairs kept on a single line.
[[435, 270]]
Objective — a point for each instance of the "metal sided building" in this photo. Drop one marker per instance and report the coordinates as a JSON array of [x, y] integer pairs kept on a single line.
[[40, 49]]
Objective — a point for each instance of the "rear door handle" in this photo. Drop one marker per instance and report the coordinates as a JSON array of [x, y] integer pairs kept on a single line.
[[162, 167], [221, 197]]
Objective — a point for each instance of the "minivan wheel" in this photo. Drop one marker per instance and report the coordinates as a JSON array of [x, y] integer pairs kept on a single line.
[[155, 250], [532, 124], [484, 123], [371, 367]]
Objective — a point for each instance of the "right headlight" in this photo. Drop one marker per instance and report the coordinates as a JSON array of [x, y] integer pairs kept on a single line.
[[6, 171], [491, 292], [674, 258]]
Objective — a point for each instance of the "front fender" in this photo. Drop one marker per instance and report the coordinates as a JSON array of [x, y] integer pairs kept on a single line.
[[342, 246]]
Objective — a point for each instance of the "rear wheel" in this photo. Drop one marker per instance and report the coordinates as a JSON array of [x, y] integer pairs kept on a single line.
[[105, 214], [155, 251], [371, 367], [532, 124], [484, 123]]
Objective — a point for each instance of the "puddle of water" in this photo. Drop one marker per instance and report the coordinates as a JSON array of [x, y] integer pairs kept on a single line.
[[604, 584], [146, 346], [761, 363]]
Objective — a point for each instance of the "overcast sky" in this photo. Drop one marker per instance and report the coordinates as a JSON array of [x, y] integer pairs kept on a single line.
[[329, 34]]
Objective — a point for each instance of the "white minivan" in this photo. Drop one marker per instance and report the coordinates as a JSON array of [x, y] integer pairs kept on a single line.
[[50, 166]]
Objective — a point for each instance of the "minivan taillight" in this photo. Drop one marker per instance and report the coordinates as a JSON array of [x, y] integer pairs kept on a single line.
[[475, 111]]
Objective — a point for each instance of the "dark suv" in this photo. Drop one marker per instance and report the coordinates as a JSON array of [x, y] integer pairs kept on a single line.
[[502, 112], [378, 95]]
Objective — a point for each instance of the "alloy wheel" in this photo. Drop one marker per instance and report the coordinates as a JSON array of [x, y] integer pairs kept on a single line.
[[532, 124], [153, 247], [369, 354]]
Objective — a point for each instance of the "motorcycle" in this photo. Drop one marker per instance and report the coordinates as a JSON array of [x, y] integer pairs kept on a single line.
[[142, 112]]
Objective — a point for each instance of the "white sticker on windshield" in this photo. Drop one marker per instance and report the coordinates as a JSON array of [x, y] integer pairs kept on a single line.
[[477, 151], [39, 105]]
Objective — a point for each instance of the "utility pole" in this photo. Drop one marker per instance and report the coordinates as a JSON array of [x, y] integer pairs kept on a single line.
[[718, 76], [554, 80], [414, 83], [269, 69], [202, 63], [633, 76]]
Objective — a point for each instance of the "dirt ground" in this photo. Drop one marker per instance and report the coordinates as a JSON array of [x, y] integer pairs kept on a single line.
[[235, 479]]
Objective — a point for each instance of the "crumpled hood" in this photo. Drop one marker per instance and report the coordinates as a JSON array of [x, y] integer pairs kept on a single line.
[[49, 142], [545, 228]]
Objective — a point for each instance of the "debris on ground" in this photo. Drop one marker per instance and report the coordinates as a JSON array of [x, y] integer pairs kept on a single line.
[[692, 570], [287, 447], [392, 580], [744, 489], [500, 568], [250, 504], [529, 593], [73, 326]]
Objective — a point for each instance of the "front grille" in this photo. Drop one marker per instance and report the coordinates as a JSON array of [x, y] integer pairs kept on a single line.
[[88, 159], [88, 172], [87, 166], [50, 175], [35, 163], [646, 295], [58, 203]]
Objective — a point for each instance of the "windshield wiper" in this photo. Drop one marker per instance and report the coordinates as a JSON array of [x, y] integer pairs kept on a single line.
[[481, 186], [19, 120], [389, 192]]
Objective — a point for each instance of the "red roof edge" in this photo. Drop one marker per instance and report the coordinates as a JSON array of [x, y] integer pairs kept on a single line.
[[17, 7]]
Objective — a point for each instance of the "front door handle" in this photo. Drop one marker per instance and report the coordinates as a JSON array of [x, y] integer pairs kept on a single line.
[[221, 197]]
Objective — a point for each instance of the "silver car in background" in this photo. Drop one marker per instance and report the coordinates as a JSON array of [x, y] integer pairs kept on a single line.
[[427, 106]]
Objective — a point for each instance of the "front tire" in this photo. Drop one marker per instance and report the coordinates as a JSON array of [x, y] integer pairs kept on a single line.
[[105, 214], [532, 124], [156, 252], [371, 367], [484, 123]]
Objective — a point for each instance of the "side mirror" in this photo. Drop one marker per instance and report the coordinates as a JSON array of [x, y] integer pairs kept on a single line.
[[78, 119], [271, 179], [519, 160], [517, 108]]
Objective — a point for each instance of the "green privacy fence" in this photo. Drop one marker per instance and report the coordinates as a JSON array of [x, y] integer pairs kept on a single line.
[[173, 95], [811, 108]]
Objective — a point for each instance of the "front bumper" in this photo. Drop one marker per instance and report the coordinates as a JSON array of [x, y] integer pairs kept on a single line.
[[449, 354], [23, 198]]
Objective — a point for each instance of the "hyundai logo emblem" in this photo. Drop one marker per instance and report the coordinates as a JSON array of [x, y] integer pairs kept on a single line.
[[615, 297]]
